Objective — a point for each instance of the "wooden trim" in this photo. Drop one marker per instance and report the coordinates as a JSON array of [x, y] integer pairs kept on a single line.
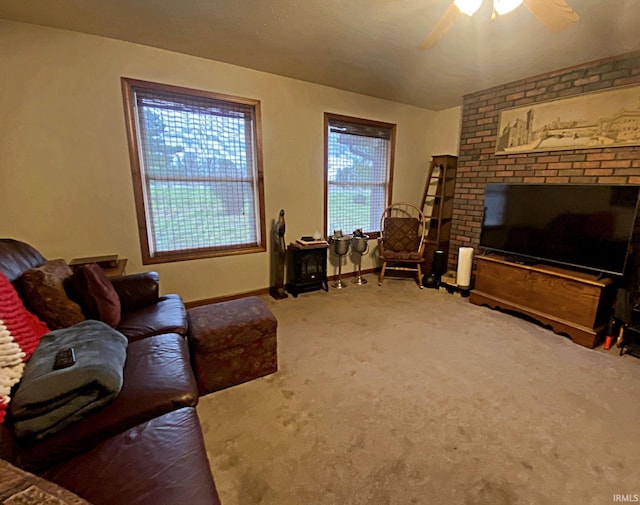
[[357, 120], [134, 157], [226, 298], [144, 224], [328, 116], [560, 272], [263, 291], [325, 228], [170, 257], [391, 164], [260, 176], [169, 88], [354, 274]]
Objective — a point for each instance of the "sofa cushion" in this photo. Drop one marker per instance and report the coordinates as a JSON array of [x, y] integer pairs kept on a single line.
[[401, 234], [157, 378], [20, 487], [168, 315], [137, 290], [159, 462], [97, 296], [403, 256], [44, 292]]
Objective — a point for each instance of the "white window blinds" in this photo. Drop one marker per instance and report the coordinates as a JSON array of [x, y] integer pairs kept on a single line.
[[359, 156], [198, 172]]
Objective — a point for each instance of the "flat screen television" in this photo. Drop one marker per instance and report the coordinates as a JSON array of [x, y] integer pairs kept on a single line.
[[584, 226]]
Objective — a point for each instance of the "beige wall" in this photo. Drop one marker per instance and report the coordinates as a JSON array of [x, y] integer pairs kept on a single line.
[[66, 183]]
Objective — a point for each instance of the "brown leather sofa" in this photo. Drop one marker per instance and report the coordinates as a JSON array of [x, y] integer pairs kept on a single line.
[[146, 446]]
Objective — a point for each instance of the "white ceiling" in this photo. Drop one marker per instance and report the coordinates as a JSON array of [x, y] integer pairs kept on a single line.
[[366, 46]]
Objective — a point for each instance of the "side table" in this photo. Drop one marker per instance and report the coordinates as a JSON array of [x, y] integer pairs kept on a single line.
[[119, 269], [107, 266], [306, 268]]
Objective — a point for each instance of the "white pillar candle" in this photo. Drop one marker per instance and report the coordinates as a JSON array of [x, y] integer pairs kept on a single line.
[[465, 262]]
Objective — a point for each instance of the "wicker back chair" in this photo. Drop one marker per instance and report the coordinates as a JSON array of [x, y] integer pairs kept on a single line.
[[402, 240]]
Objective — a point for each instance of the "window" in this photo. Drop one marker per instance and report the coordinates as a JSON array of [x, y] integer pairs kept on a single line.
[[197, 172], [358, 172]]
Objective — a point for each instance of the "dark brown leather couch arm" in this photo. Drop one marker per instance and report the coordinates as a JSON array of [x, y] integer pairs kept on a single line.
[[160, 462], [137, 290], [8, 447]]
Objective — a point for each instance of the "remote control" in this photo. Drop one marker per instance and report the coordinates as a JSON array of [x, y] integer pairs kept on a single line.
[[64, 358]]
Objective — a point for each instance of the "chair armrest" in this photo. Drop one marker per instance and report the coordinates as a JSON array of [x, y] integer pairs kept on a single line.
[[137, 290]]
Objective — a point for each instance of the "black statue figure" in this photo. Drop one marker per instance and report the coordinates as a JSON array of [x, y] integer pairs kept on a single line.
[[280, 256]]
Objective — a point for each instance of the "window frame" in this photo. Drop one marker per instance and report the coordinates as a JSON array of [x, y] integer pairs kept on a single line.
[[328, 116], [129, 86]]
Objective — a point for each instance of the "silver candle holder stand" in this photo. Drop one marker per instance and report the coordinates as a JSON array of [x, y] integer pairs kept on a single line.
[[340, 245], [360, 245]]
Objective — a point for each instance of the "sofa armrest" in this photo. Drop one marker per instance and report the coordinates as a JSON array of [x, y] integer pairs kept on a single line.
[[137, 290], [8, 444], [162, 461]]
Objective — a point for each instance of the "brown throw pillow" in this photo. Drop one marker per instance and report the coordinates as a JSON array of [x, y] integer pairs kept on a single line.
[[97, 296], [44, 292]]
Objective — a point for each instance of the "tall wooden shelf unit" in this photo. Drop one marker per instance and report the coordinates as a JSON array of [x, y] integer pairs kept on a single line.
[[574, 303], [437, 205]]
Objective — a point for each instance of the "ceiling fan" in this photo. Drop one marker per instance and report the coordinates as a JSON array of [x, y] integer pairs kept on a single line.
[[555, 15]]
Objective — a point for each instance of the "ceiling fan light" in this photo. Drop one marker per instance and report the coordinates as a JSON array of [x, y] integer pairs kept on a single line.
[[504, 6], [468, 7]]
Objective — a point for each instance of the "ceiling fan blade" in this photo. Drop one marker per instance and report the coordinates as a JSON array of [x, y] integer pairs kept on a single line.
[[441, 28], [555, 15]]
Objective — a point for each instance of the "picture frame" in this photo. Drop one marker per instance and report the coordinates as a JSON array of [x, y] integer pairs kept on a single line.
[[608, 118]]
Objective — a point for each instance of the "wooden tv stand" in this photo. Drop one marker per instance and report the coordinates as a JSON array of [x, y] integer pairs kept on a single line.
[[573, 303]]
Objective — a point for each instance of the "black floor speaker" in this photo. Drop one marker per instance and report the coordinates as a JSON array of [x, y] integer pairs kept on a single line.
[[439, 264], [438, 267]]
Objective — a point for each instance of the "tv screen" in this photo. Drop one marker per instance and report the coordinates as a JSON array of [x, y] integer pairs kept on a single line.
[[588, 227]]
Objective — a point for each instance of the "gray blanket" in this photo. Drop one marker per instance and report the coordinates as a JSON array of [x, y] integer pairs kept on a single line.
[[48, 400]]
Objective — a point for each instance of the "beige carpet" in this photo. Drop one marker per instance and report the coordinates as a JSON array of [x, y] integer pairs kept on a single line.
[[392, 395]]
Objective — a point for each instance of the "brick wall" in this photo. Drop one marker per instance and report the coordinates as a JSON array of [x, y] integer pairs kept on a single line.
[[478, 164]]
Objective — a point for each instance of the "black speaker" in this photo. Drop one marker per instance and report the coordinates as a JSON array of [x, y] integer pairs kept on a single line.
[[439, 264], [438, 267]]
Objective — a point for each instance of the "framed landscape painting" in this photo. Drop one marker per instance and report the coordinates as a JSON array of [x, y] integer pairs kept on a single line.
[[600, 119]]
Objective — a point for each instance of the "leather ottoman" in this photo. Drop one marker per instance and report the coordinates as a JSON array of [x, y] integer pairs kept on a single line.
[[231, 343]]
